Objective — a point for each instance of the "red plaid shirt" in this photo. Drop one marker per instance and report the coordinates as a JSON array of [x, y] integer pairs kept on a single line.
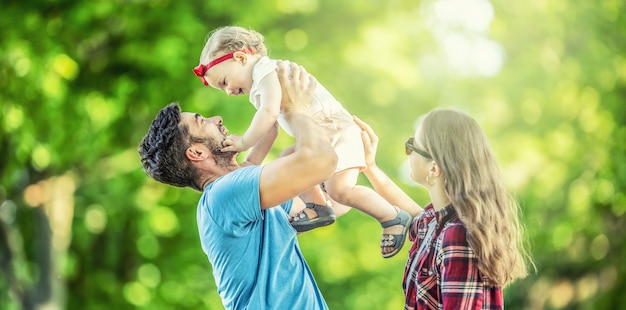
[[445, 275]]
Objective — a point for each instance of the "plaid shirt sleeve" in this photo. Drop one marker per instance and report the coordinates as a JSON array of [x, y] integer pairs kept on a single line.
[[462, 285]]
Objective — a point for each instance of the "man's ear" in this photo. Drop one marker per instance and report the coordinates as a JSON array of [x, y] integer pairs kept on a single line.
[[196, 153], [240, 57]]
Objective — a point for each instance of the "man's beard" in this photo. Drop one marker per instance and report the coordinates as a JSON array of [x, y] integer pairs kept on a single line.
[[222, 159]]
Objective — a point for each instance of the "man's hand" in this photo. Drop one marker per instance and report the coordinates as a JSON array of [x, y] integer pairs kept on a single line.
[[295, 96], [313, 159]]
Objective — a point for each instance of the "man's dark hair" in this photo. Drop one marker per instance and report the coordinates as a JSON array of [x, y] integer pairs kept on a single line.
[[162, 150]]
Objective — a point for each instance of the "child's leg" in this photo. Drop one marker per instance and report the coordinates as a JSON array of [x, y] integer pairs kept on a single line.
[[317, 213], [314, 195], [342, 188], [340, 209]]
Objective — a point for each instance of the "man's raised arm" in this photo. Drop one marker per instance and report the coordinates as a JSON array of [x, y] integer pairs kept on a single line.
[[313, 160]]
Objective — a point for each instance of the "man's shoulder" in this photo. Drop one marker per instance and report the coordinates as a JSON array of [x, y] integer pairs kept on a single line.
[[239, 176], [239, 190]]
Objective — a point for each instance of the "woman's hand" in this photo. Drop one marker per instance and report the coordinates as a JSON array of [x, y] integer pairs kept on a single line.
[[370, 142]]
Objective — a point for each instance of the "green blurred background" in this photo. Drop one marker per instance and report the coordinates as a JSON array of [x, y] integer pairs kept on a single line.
[[82, 227]]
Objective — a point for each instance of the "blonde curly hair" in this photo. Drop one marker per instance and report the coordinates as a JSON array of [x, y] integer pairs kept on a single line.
[[228, 39]]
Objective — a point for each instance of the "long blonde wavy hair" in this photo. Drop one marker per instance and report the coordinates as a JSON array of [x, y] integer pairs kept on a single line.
[[474, 185]]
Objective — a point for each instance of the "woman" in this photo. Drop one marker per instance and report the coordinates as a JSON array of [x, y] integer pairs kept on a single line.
[[467, 243]]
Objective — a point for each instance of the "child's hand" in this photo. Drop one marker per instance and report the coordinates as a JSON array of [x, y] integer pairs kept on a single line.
[[233, 143]]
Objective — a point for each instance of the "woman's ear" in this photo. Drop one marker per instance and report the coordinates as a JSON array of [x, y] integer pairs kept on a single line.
[[434, 169]]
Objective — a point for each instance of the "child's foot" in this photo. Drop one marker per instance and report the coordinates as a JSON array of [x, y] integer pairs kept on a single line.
[[394, 233], [313, 216]]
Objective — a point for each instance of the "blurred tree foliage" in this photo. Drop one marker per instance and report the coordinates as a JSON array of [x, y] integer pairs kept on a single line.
[[81, 226]]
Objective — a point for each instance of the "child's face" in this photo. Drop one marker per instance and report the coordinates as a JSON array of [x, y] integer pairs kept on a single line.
[[233, 75]]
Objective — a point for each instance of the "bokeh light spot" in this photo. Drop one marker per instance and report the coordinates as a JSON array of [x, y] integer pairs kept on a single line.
[[51, 86], [600, 247], [149, 275], [561, 294], [605, 191], [8, 210], [137, 294], [65, 66], [41, 157], [296, 39], [22, 67], [163, 221], [579, 195], [148, 246], [562, 236], [586, 287], [95, 219], [34, 195], [99, 110], [13, 117], [172, 292]]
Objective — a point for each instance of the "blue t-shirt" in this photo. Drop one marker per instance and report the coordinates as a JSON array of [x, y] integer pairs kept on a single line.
[[257, 263]]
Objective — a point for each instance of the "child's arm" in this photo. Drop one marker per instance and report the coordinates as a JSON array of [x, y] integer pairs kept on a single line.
[[264, 118], [259, 151]]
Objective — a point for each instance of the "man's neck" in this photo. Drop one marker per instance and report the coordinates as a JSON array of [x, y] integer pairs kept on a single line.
[[209, 179]]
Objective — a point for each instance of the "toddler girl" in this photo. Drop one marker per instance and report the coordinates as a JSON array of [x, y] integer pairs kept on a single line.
[[234, 59]]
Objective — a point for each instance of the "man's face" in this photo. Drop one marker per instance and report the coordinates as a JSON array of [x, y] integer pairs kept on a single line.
[[203, 127], [211, 133]]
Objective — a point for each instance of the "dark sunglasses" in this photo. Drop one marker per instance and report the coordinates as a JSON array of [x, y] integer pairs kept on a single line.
[[410, 147]]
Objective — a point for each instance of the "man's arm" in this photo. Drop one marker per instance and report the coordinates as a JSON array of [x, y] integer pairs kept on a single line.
[[313, 160]]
